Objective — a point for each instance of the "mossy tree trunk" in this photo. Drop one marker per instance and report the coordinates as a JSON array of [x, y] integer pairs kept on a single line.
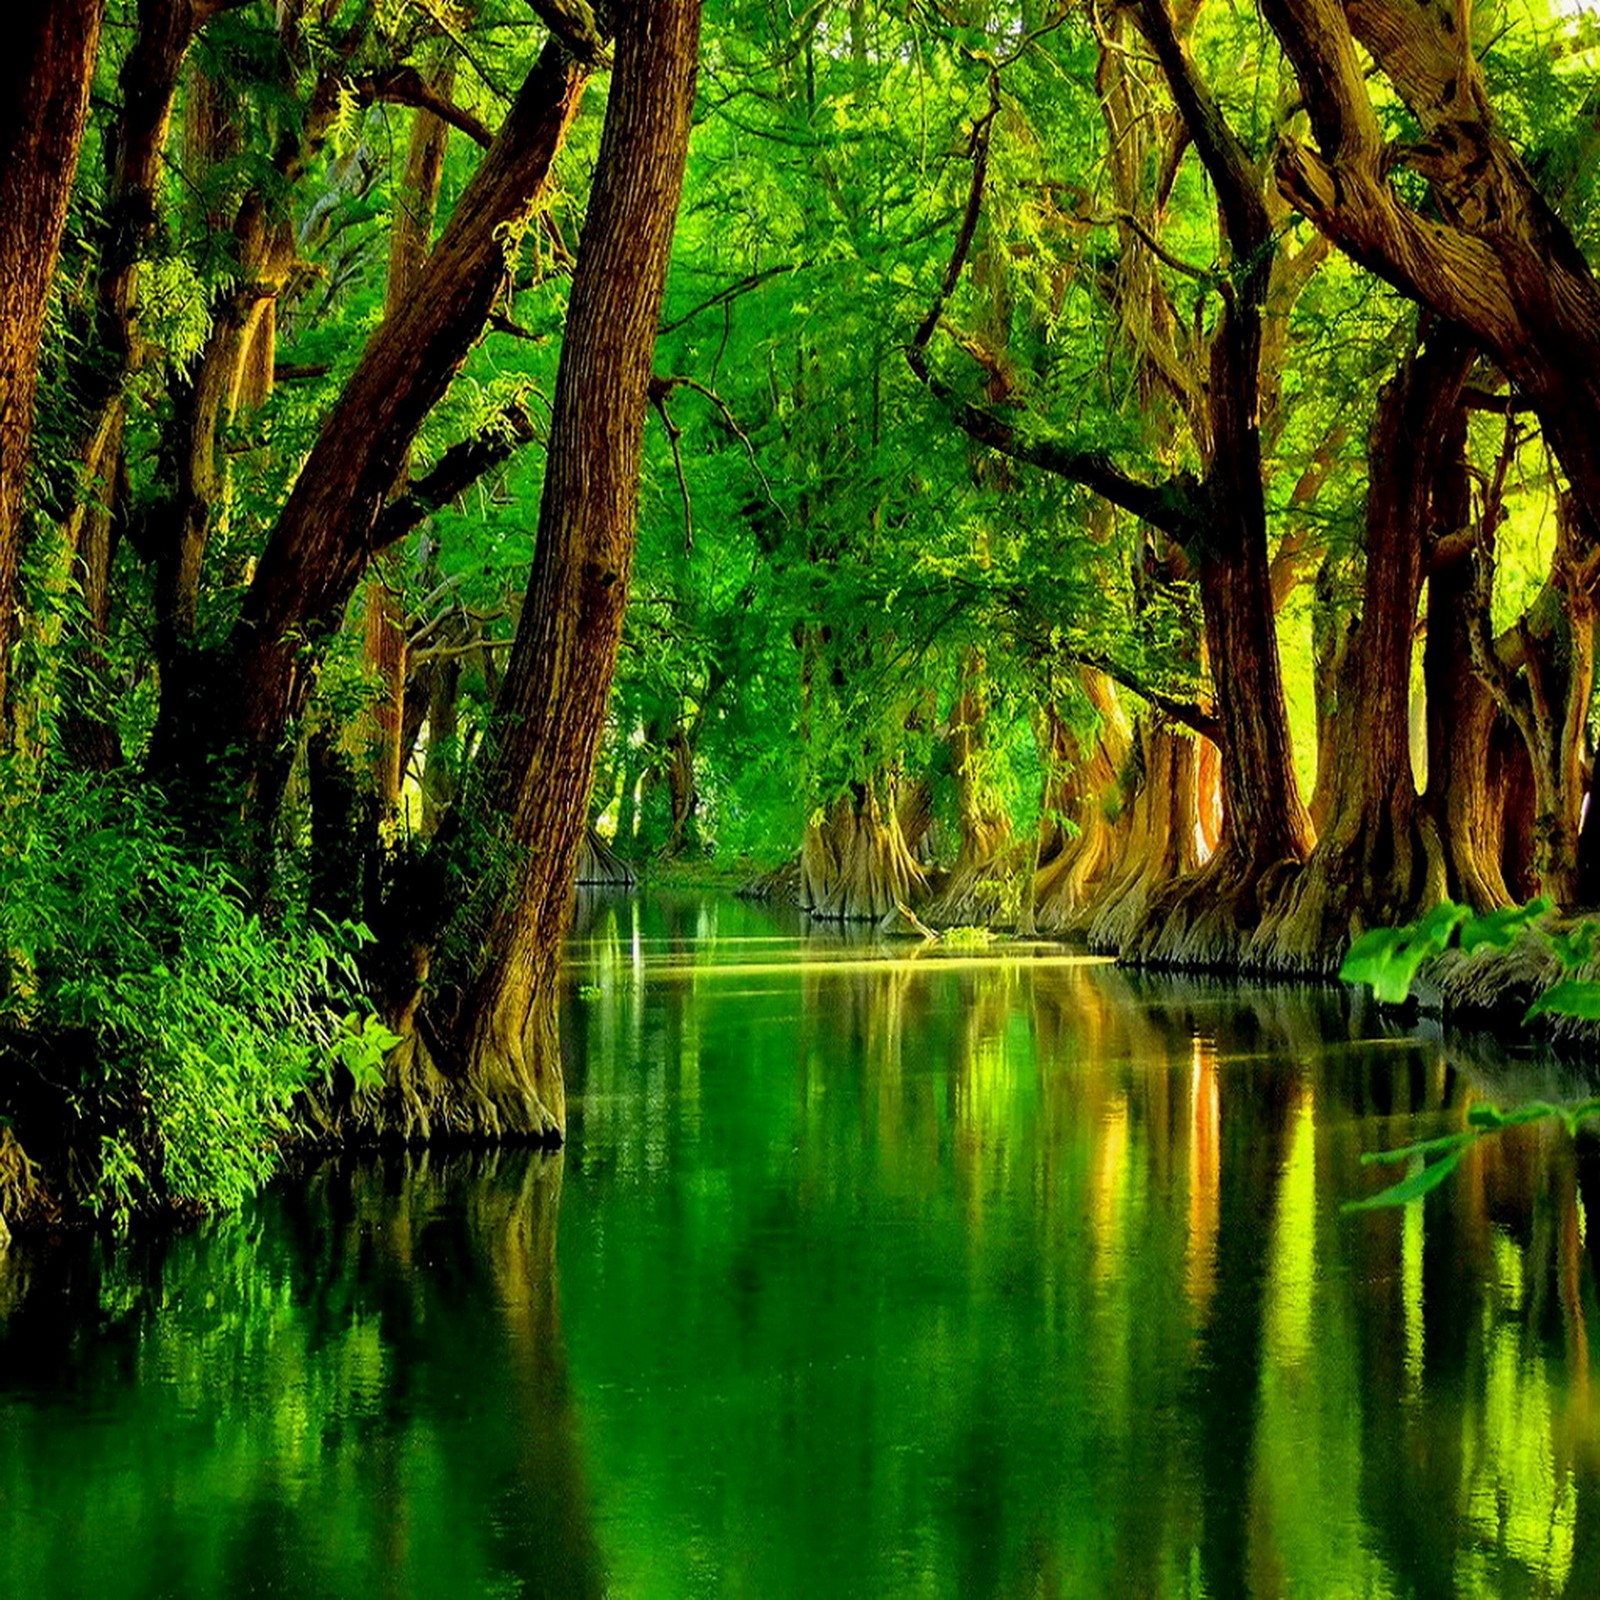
[[1379, 860], [332, 524], [44, 104], [855, 864], [1085, 816]]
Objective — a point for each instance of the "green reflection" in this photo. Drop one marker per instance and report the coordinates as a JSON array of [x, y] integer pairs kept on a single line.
[[882, 1274]]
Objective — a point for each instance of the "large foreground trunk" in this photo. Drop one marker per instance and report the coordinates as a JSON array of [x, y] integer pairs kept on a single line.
[[44, 102], [495, 1071], [328, 531]]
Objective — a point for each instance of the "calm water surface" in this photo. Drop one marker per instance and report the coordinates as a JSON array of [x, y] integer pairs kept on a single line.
[[865, 1273]]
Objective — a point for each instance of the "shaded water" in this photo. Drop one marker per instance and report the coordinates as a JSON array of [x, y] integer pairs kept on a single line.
[[865, 1273]]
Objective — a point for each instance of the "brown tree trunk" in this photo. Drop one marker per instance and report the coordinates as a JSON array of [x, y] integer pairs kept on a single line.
[[1379, 861], [44, 103], [384, 636], [1160, 848], [1468, 808], [498, 1042], [1496, 259], [1081, 792], [329, 529], [855, 865]]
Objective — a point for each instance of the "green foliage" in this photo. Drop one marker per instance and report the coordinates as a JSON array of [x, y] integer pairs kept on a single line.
[[1388, 959], [174, 1024], [967, 938]]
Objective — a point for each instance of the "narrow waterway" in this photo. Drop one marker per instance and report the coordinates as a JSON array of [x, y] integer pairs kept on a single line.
[[867, 1272]]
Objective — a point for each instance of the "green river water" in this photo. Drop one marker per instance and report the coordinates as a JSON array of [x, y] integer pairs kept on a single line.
[[866, 1272]]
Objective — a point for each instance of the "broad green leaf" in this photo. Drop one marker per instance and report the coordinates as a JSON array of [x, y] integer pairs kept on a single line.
[[1572, 997], [1499, 929], [1423, 1147]]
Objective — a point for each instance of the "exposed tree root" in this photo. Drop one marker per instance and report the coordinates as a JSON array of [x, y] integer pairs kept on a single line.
[[510, 1092], [855, 865], [600, 867], [1160, 846], [1372, 869]]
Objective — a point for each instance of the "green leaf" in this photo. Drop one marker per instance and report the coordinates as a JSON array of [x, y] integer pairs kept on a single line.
[[1412, 1187], [1572, 997], [1423, 1147], [1499, 929], [1388, 958]]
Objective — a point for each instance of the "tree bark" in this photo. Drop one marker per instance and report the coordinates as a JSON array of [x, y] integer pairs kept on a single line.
[[330, 528], [498, 1041], [855, 865], [1379, 860], [1497, 261], [1082, 780], [44, 104]]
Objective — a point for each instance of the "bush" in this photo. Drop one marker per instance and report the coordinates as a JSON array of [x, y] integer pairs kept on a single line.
[[158, 1021]]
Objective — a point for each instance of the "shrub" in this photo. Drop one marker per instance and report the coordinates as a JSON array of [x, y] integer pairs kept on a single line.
[[162, 1025]]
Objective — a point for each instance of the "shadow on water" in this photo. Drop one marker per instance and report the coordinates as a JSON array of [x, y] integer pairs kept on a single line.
[[358, 1388], [883, 1272]]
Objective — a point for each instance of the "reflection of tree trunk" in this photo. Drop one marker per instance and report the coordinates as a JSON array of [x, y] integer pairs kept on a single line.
[[44, 101], [1253, 1123]]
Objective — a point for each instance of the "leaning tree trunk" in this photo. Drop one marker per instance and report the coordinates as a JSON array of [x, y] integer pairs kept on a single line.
[[496, 1072], [330, 528], [1379, 861], [44, 104]]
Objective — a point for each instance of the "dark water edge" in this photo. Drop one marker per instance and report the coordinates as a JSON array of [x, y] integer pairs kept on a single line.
[[864, 1273]]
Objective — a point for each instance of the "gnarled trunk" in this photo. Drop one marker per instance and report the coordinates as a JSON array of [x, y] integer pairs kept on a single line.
[[1379, 861], [329, 529], [44, 102], [1081, 792], [1161, 844], [854, 862]]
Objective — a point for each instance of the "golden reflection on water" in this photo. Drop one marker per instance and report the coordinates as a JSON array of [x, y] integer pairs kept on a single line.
[[1147, 1177]]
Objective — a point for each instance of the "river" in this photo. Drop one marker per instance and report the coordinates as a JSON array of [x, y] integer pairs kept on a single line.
[[866, 1272]]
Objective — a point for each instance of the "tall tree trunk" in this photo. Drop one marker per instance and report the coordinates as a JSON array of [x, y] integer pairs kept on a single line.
[[44, 103], [384, 635], [330, 528], [1468, 808], [1379, 860], [499, 1038]]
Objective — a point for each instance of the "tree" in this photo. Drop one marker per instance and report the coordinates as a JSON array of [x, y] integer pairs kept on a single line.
[[44, 103]]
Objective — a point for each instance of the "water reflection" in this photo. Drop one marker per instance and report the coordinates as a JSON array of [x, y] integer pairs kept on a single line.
[[1008, 1277], [361, 1390], [1001, 1275]]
